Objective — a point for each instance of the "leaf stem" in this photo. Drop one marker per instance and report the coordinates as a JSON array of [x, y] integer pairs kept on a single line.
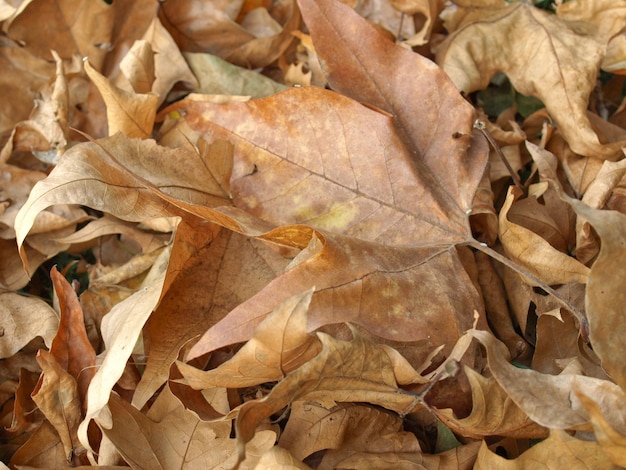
[[582, 319], [480, 125]]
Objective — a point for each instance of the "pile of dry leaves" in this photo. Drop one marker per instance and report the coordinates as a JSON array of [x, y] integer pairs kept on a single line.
[[316, 234]]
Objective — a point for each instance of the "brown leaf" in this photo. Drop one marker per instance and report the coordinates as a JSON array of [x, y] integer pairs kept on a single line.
[[71, 347], [541, 55], [612, 442], [372, 191], [355, 371], [605, 296], [130, 113], [394, 293], [22, 319], [534, 253], [73, 27], [460, 458], [279, 345], [228, 269], [493, 413], [57, 397], [547, 399], [120, 330], [359, 63], [312, 427], [200, 28], [175, 438], [117, 168], [560, 450]]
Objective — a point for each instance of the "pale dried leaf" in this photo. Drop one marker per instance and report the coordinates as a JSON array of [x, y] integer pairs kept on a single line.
[[22, 319], [559, 451]]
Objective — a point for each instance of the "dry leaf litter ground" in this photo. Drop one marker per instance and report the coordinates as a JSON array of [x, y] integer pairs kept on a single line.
[[313, 234]]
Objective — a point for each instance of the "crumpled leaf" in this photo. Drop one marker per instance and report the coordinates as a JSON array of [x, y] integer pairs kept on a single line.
[[312, 427], [23, 318], [71, 347], [540, 54], [177, 438], [120, 330], [605, 296], [534, 253], [71, 27], [45, 132], [117, 168], [612, 442], [57, 397], [127, 112], [549, 400], [280, 344], [560, 450], [493, 413], [197, 27], [354, 371]]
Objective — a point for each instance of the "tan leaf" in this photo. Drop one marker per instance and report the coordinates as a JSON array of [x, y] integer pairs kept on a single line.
[[357, 61], [120, 330], [117, 168], [214, 30], [394, 293], [216, 76], [612, 442], [354, 371], [279, 345], [560, 450], [370, 190], [460, 458], [534, 253], [77, 26], [169, 63], [138, 67], [45, 132], [57, 397], [226, 269], [540, 54], [493, 413], [605, 296], [177, 439], [312, 427], [548, 399], [130, 113], [278, 457], [22, 319]]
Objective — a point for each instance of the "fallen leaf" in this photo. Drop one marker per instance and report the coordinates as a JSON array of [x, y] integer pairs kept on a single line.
[[494, 413], [355, 371], [216, 76], [74, 27], [22, 319], [130, 113], [540, 54], [534, 253], [358, 62], [559, 450], [269, 355], [120, 330], [548, 399], [612, 442], [312, 428], [57, 397], [178, 439]]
